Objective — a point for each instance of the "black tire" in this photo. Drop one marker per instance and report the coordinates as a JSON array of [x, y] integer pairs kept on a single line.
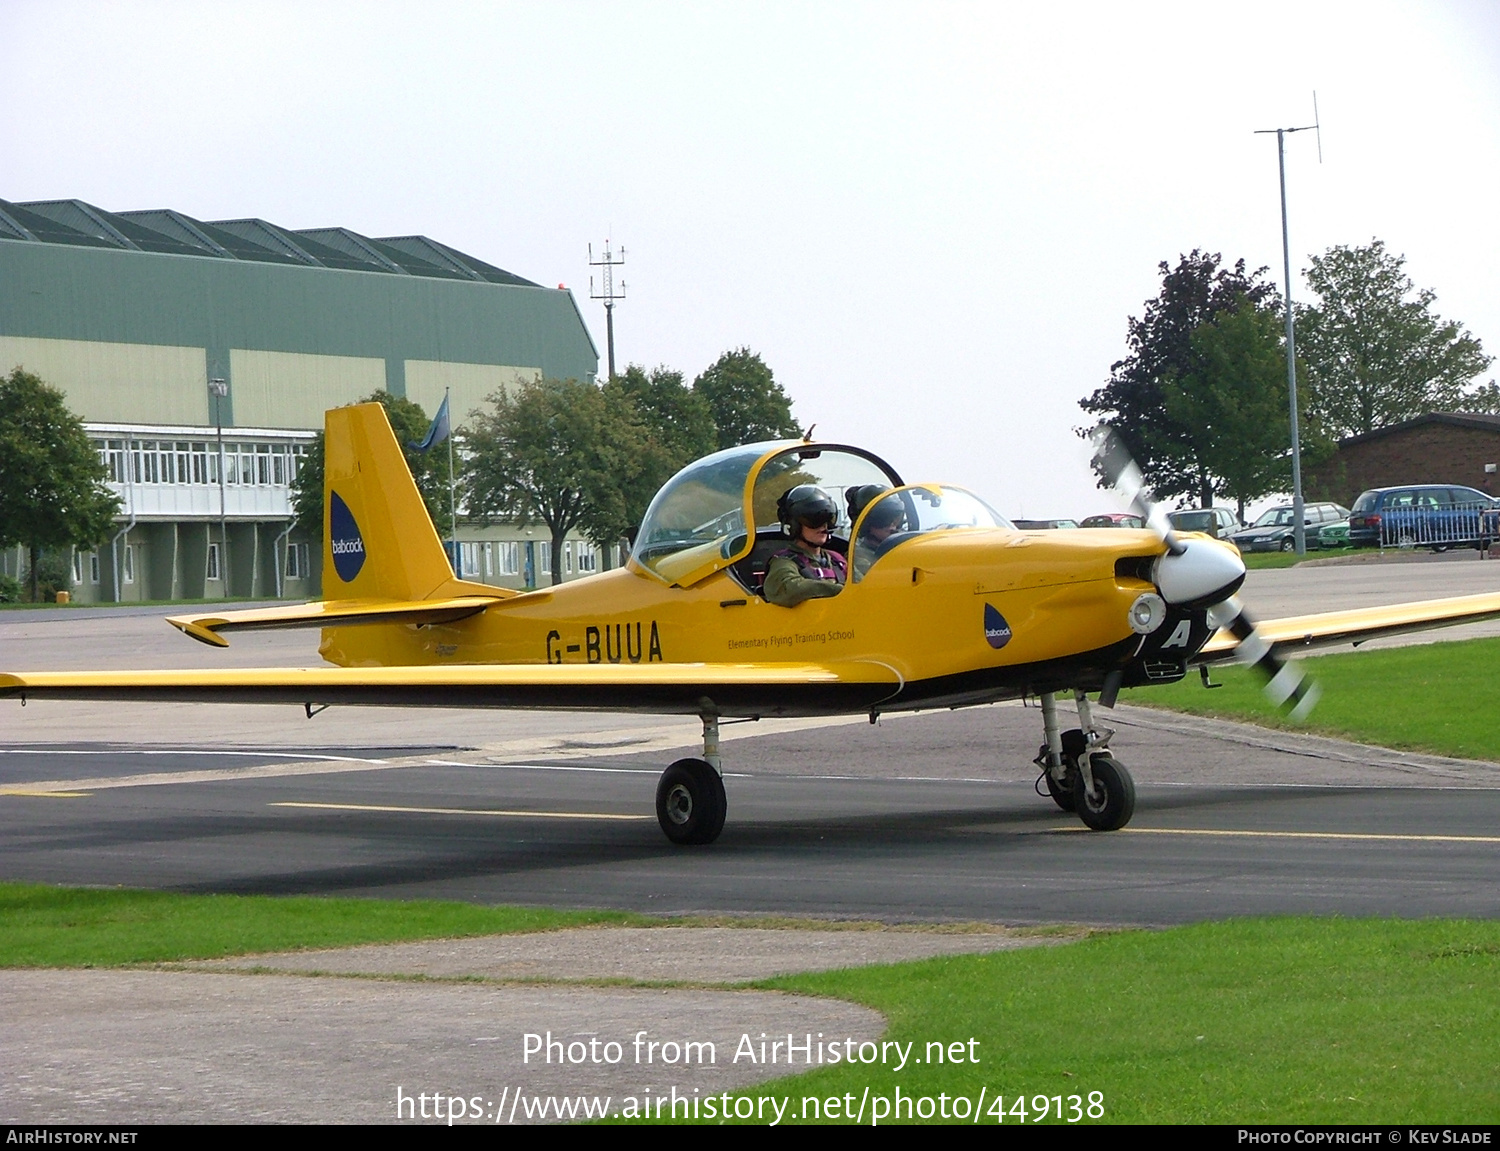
[[1288, 545], [690, 802], [1113, 801]]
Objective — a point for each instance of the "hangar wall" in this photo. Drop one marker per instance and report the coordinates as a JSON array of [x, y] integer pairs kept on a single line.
[[132, 314]]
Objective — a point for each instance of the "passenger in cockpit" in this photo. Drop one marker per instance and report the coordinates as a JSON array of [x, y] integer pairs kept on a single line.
[[884, 520], [808, 568]]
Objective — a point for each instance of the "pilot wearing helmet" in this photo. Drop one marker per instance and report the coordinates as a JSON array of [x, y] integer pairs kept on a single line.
[[808, 568], [886, 518]]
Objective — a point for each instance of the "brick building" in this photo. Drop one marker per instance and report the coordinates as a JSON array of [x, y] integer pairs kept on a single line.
[[1437, 448]]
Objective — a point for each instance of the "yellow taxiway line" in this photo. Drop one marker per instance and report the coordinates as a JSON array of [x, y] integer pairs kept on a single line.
[[1379, 837], [459, 811]]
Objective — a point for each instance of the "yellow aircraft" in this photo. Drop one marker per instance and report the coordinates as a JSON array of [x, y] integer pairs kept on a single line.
[[955, 608]]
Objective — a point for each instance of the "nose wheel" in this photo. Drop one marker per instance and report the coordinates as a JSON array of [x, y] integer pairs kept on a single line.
[[1081, 775]]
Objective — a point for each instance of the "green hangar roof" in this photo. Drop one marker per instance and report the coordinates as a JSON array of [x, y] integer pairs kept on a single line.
[[132, 313], [163, 230]]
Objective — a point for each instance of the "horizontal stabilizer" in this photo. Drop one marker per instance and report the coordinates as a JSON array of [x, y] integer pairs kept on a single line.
[[1330, 629], [331, 613]]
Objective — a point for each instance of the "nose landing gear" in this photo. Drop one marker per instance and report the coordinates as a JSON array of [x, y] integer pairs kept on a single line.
[[1080, 774]]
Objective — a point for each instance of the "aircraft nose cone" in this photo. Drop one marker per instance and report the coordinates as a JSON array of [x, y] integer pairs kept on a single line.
[[1205, 572]]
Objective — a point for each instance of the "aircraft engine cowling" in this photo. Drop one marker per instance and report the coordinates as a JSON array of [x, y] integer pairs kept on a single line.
[[1201, 573]]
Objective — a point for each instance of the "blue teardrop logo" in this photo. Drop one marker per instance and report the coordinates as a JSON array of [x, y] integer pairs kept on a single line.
[[996, 630], [347, 544]]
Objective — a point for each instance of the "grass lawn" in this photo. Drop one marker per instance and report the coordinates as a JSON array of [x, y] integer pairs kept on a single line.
[[1264, 1020], [1439, 697]]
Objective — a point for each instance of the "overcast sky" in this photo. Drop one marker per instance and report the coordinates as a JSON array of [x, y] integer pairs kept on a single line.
[[932, 220]]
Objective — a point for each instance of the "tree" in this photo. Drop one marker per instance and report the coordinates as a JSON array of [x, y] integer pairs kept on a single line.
[[676, 427], [1192, 294], [429, 469], [1375, 350], [52, 491], [558, 451], [746, 402], [1232, 401]]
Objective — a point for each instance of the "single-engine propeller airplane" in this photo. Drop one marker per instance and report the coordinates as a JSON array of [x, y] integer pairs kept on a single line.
[[954, 608]]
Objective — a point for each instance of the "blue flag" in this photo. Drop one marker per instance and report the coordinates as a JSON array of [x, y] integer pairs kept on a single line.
[[438, 431]]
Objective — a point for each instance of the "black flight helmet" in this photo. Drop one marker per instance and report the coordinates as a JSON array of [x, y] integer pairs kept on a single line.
[[806, 505], [862, 497]]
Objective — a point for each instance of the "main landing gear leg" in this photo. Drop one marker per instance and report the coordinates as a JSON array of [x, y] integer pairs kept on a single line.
[[690, 800]]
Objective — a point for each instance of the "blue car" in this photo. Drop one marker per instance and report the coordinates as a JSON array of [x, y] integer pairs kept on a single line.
[[1436, 516]]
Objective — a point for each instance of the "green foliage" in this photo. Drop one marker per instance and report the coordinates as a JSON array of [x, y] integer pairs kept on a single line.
[[10, 589], [429, 469], [676, 428], [746, 402], [1376, 352], [559, 451], [52, 491], [1194, 293], [1230, 397]]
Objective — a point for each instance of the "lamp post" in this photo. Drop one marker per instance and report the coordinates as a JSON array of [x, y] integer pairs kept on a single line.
[[218, 387]]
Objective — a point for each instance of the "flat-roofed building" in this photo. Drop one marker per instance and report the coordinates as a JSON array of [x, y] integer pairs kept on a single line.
[[168, 334]]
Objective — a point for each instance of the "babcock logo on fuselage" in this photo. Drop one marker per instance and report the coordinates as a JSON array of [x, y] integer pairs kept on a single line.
[[347, 544], [996, 630]]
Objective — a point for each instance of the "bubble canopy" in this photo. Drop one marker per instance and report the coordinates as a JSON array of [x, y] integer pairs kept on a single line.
[[707, 515]]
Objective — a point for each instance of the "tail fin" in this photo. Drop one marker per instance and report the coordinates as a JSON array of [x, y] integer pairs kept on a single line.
[[378, 540]]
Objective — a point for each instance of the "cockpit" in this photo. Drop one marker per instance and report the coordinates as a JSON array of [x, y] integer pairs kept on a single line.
[[720, 512]]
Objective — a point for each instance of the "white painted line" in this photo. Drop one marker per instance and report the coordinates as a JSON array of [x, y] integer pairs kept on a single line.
[[1356, 835]]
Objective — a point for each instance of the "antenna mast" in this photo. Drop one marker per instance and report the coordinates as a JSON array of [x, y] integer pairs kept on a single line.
[[608, 294], [1299, 529]]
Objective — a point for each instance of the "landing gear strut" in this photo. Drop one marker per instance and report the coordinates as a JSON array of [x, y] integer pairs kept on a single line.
[[1080, 774], [690, 800]]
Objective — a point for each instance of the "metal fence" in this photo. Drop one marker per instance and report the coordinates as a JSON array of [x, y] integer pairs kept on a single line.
[[1440, 525]]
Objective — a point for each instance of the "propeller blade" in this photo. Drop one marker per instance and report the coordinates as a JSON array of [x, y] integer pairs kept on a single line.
[[1113, 461], [1287, 686]]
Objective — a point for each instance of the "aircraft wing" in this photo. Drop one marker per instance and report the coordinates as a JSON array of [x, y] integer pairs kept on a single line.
[[330, 613], [1330, 629], [661, 688]]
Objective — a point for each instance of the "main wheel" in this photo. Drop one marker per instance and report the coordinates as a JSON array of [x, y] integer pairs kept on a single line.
[[690, 802], [1112, 802]]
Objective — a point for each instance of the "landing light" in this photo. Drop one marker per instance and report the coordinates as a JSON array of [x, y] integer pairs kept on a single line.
[[1148, 613]]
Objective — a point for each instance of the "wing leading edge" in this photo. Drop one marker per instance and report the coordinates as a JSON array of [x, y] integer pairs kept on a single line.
[[1331, 629], [686, 689]]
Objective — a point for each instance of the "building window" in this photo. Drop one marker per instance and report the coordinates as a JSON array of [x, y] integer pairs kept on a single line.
[[544, 557], [468, 560], [488, 551], [129, 558], [588, 558], [296, 561], [510, 558], [93, 567], [77, 566], [213, 562]]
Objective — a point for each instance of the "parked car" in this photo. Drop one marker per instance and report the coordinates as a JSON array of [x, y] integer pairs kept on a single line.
[[1043, 525], [1436, 516], [1275, 531], [1221, 523], [1113, 520], [1334, 535]]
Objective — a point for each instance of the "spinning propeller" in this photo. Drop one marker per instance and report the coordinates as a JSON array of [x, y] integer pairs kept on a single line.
[[1195, 574]]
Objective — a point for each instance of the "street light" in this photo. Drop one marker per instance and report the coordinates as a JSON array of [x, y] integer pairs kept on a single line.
[[218, 387]]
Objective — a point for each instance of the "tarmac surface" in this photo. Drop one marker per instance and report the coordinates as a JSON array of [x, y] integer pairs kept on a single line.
[[927, 819]]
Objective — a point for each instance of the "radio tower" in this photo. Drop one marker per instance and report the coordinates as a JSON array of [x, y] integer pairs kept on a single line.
[[609, 264]]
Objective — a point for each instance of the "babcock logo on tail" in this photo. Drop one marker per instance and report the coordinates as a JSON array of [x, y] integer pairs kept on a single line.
[[348, 545], [996, 630]]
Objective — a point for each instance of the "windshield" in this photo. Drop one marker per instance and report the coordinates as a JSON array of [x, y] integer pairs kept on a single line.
[[701, 507], [1275, 518], [907, 513]]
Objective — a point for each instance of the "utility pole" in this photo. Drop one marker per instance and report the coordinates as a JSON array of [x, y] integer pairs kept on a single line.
[[1299, 528], [608, 294], [218, 387]]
